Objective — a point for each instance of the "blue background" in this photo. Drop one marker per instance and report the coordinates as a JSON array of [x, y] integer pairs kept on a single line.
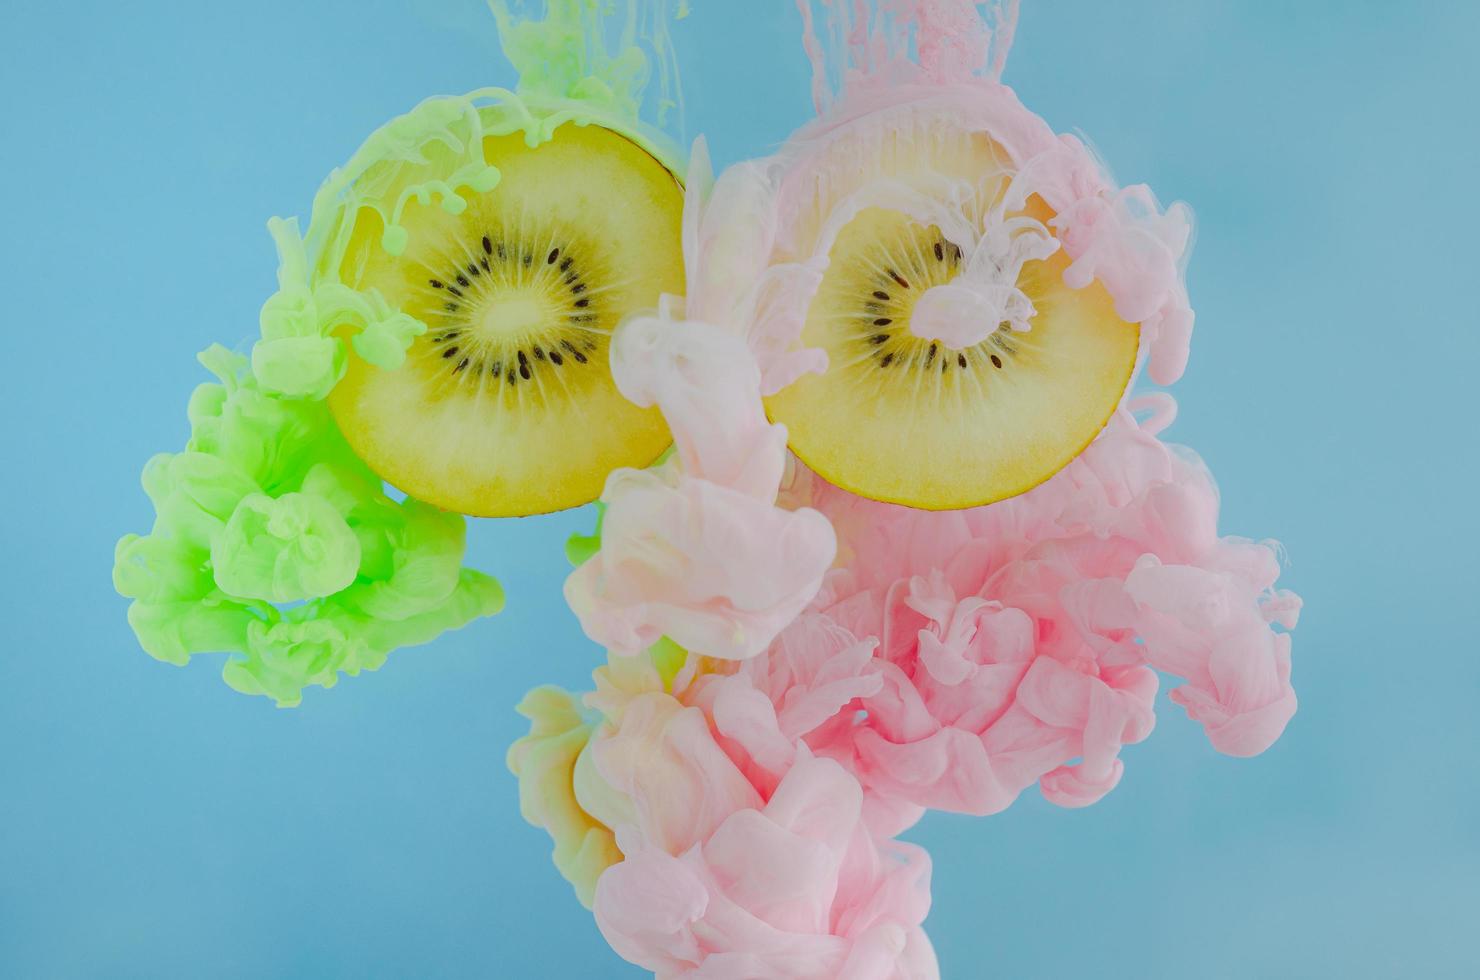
[[155, 824]]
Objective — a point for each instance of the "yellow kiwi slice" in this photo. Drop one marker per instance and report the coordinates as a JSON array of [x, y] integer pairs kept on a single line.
[[506, 405], [905, 419]]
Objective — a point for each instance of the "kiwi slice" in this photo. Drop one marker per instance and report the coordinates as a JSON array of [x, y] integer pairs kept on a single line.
[[506, 405], [905, 419]]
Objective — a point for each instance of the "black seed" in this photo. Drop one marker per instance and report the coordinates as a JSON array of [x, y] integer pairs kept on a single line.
[[450, 352], [887, 359], [501, 253], [883, 321], [945, 362], [473, 269], [940, 253], [554, 254], [460, 365], [589, 345], [451, 307], [511, 377], [484, 263], [898, 278], [523, 363], [436, 284], [961, 359], [879, 338], [580, 358], [487, 246], [996, 361], [496, 368], [528, 258], [524, 371], [880, 294], [462, 280], [930, 355], [556, 359], [584, 301], [572, 278], [539, 354], [578, 288], [581, 317], [566, 264], [454, 290]]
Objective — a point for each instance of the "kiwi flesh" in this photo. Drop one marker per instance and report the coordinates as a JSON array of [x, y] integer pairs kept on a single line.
[[506, 405], [901, 418]]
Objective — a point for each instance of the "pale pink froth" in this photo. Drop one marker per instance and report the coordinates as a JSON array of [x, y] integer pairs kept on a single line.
[[1018, 643], [793, 888], [832, 666], [696, 549]]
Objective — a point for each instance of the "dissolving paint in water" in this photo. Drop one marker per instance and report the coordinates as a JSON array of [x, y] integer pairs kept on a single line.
[[884, 526]]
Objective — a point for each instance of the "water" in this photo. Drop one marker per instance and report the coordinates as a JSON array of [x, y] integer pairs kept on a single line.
[[156, 824]]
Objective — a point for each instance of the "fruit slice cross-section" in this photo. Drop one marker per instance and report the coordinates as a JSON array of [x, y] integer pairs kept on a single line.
[[906, 419], [506, 405]]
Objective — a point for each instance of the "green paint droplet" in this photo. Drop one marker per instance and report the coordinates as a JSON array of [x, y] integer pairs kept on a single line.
[[394, 239], [487, 180]]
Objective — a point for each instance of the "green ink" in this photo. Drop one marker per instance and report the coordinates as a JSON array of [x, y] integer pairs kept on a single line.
[[272, 540]]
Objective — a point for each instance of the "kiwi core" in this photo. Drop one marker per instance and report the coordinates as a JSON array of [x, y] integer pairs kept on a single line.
[[514, 317]]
